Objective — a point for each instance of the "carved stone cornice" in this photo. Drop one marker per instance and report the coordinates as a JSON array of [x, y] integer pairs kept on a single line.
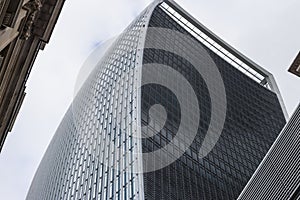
[[32, 7]]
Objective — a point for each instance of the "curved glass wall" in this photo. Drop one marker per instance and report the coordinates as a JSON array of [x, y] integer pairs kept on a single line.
[[97, 152]]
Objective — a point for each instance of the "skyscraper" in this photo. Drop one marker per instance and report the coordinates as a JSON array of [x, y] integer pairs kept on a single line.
[[170, 111]]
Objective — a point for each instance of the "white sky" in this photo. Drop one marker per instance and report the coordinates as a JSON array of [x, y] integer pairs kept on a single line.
[[266, 31]]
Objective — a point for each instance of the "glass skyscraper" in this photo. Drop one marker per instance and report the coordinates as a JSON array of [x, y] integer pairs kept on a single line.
[[170, 111]]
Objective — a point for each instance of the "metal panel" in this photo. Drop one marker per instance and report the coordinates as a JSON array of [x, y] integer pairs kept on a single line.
[[278, 175]]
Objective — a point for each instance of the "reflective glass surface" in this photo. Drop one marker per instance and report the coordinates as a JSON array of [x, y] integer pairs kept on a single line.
[[253, 121]]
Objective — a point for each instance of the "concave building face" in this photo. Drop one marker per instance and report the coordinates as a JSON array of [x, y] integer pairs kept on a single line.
[[103, 146]]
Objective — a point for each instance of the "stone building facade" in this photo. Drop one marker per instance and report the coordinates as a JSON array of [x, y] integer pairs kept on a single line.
[[25, 28]]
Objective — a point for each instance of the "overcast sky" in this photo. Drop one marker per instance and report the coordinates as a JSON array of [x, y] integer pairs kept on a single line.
[[266, 31]]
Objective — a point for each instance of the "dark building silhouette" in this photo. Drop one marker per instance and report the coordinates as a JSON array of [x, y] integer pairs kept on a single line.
[[295, 67], [97, 152]]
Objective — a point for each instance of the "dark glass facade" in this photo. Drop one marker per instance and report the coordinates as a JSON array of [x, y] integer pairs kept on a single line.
[[95, 154], [253, 121]]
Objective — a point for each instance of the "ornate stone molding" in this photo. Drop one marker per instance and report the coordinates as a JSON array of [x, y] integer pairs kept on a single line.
[[32, 7]]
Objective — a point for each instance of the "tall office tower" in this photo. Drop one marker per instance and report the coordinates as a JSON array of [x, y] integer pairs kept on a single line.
[[170, 111], [278, 175]]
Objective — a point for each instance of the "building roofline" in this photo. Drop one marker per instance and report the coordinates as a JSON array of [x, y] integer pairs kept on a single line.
[[268, 77], [217, 39]]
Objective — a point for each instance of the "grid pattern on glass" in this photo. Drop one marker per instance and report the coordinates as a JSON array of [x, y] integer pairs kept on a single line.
[[92, 152], [253, 121], [214, 46], [84, 161]]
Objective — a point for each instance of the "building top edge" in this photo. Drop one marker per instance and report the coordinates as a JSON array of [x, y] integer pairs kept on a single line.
[[217, 39]]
